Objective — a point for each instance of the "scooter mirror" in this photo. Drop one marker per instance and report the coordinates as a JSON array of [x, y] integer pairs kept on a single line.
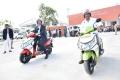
[[96, 24], [98, 20]]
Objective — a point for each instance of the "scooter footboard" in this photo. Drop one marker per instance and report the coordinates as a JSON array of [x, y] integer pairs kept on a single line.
[[88, 54]]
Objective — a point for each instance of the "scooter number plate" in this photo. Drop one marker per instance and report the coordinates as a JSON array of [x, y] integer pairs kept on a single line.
[[28, 43]]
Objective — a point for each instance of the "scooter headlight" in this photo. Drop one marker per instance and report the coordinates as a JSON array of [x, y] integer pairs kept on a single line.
[[27, 43], [84, 46], [89, 45]]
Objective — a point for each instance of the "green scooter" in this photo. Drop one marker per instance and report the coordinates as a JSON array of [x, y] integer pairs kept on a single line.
[[90, 45]]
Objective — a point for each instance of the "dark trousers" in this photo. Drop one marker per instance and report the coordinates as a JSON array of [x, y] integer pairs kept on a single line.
[[42, 47], [40, 43]]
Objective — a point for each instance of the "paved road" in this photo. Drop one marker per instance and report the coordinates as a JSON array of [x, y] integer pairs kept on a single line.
[[63, 62]]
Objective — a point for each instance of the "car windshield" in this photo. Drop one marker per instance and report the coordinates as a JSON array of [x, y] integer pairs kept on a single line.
[[75, 27], [20, 34]]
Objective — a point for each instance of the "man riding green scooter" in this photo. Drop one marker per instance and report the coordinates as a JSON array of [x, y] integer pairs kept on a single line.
[[89, 25]]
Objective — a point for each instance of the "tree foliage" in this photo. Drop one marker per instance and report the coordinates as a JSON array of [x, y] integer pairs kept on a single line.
[[2, 22], [48, 15]]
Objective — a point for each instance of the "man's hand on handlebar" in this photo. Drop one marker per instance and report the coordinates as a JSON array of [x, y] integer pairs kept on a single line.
[[77, 34], [38, 35]]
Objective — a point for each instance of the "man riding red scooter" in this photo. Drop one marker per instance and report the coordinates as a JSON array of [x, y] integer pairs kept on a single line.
[[39, 42], [41, 38]]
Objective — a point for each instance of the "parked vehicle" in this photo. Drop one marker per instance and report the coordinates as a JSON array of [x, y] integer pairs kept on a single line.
[[19, 36], [74, 30]]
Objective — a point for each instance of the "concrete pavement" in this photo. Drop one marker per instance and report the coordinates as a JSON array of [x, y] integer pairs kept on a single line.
[[63, 62]]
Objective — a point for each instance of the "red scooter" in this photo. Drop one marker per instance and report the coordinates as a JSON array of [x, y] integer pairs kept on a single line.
[[28, 50]]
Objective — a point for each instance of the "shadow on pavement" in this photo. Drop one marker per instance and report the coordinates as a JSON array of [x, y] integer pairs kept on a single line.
[[40, 59], [107, 68]]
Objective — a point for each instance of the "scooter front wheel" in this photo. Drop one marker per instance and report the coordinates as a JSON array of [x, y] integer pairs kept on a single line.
[[89, 66], [25, 58]]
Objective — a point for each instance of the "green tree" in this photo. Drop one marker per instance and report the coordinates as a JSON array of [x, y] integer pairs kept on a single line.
[[48, 15], [2, 22]]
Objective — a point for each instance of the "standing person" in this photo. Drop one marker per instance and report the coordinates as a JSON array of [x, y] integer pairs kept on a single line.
[[7, 37], [68, 31], [54, 33], [41, 38], [71, 32], [115, 29], [117, 25], [65, 31], [12, 38], [50, 34], [60, 33]]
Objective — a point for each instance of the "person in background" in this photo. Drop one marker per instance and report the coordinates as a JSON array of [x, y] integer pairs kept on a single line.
[[50, 34], [60, 33], [68, 32], [12, 38], [54, 33], [65, 31], [7, 37], [117, 25]]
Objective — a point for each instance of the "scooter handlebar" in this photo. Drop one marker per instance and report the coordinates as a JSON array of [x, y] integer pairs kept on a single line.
[[32, 35]]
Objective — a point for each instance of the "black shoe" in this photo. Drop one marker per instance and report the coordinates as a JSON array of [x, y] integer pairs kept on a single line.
[[51, 45], [12, 48], [102, 51], [46, 56], [10, 51], [81, 61], [33, 56], [4, 52]]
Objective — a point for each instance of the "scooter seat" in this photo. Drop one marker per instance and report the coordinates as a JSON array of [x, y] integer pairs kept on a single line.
[[48, 42]]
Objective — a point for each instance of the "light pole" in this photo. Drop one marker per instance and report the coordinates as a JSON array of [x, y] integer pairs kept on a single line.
[[68, 31], [68, 9]]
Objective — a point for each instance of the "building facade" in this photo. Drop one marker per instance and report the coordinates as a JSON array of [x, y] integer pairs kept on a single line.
[[109, 15]]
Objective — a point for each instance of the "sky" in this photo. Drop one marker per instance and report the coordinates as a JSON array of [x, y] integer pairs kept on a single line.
[[20, 11]]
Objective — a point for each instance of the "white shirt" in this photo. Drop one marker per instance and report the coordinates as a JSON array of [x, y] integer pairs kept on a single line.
[[85, 24], [54, 31], [39, 27], [8, 34]]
